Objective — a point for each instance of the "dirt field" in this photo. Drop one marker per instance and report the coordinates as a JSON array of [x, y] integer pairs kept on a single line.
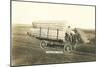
[[27, 51]]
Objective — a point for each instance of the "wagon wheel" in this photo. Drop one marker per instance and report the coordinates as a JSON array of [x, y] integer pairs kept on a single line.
[[43, 44], [67, 48]]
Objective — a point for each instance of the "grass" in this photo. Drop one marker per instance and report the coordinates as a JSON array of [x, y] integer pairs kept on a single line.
[[27, 51], [87, 48]]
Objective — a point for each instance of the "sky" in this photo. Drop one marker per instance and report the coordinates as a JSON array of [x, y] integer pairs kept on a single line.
[[74, 15]]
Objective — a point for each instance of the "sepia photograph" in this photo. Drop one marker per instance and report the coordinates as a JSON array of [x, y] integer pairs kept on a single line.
[[52, 33]]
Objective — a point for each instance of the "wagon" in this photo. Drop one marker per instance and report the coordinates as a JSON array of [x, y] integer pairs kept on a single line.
[[58, 37]]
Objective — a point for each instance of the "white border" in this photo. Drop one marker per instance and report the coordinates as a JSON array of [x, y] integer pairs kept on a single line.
[[5, 34]]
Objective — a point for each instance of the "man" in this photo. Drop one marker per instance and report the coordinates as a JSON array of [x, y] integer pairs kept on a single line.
[[68, 33]]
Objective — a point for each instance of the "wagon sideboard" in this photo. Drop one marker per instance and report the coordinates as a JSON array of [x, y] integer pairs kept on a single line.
[[48, 34]]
